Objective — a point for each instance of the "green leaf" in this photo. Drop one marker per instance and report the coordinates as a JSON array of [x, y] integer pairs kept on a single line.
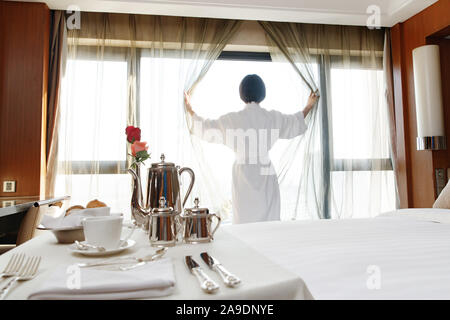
[[140, 153], [141, 156]]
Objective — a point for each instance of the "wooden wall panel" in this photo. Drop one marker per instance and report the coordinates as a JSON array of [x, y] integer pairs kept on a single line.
[[24, 43], [401, 123], [418, 183], [441, 159]]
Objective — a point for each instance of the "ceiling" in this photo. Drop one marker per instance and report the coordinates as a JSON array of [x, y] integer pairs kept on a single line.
[[347, 12]]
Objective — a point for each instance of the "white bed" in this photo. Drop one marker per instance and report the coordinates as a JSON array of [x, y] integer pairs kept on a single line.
[[408, 251]]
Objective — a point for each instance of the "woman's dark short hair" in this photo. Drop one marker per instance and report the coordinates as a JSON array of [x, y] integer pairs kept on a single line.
[[252, 89]]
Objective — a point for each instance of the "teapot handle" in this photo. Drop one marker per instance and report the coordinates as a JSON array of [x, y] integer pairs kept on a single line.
[[219, 220], [188, 192]]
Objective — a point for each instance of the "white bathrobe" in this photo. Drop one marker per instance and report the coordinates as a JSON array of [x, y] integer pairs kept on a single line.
[[251, 133]]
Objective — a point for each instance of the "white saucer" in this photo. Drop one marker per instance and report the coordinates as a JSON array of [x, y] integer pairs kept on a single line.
[[93, 252]]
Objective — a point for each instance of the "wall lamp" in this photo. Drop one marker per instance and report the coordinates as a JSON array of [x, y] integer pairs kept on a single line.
[[428, 92]]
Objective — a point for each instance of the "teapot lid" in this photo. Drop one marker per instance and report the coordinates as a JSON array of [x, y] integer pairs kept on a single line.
[[196, 209], [162, 163], [162, 207]]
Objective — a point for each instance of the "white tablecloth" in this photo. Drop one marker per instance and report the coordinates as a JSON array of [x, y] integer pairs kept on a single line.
[[261, 277]]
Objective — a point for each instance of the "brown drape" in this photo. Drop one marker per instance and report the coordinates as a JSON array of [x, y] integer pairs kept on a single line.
[[57, 25], [390, 89], [388, 72]]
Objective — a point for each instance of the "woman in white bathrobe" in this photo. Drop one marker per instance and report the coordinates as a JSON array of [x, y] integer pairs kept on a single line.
[[251, 133]]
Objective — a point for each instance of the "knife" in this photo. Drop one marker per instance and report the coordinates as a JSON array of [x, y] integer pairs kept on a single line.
[[228, 278], [206, 283]]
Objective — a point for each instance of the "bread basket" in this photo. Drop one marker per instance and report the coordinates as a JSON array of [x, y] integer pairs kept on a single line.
[[66, 234]]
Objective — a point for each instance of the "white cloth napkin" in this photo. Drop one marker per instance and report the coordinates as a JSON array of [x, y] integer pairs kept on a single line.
[[154, 279], [73, 219]]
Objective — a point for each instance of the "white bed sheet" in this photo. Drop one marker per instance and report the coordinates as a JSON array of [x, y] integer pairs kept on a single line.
[[423, 214], [337, 258]]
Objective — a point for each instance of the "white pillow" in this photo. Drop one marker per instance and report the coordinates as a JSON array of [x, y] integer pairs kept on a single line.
[[443, 201]]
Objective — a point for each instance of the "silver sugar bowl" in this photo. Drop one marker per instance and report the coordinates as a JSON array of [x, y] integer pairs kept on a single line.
[[163, 225], [197, 224]]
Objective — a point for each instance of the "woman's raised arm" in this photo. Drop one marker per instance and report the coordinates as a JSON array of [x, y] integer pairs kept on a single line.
[[187, 103], [312, 100]]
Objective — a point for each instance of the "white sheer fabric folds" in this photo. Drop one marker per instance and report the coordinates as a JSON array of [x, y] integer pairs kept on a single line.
[[132, 70], [346, 162]]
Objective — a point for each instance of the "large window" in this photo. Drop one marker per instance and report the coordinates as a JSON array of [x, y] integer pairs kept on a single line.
[[98, 147]]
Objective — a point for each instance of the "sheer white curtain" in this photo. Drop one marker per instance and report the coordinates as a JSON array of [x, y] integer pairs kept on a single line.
[[211, 38], [218, 94], [92, 148], [362, 179], [301, 167], [346, 168], [132, 70], [165, 75]]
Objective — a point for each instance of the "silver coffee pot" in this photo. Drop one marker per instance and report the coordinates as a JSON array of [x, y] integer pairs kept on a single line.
[[163, 181], [197, 224]]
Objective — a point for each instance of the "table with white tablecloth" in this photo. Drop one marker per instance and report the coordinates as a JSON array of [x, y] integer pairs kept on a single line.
[[261, 277]]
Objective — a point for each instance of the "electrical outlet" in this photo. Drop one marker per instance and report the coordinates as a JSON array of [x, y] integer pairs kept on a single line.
[[8, 203], [9, 186]]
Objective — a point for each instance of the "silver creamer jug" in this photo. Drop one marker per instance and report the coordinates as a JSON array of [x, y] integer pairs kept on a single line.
[[197, 224]]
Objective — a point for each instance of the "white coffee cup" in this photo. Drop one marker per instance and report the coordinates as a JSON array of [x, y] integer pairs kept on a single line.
[[104, 231]]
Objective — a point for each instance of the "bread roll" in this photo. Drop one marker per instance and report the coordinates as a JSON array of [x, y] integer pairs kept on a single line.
[[74, 208], [95, 204], [56, 204]]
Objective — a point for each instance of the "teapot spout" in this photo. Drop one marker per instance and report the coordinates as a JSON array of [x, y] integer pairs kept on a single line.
[[138, 211]]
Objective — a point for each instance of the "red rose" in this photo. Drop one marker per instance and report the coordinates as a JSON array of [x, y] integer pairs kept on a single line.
[[133, 134]]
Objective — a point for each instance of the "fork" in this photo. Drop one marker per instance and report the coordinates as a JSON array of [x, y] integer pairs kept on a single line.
[[13, 265], [27, 272]]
